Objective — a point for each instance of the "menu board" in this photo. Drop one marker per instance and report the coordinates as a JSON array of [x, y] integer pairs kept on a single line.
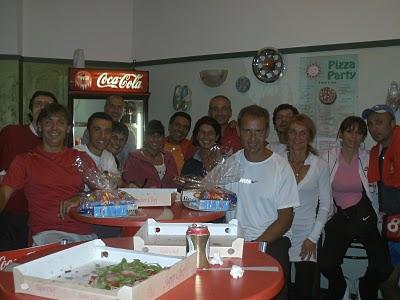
[[328, 92]]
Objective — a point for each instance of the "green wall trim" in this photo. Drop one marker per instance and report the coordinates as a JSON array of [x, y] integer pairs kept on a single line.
[[130, 65], [306, 49], [20, 92], [9, 57], [89, 63]]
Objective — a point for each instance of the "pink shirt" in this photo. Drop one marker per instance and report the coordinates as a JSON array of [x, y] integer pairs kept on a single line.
[[347, 186]]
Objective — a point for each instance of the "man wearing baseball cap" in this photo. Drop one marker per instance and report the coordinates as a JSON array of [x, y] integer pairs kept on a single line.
[[384, 170]]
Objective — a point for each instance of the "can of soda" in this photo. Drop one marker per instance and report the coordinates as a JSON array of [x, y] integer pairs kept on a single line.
[[198, 239]]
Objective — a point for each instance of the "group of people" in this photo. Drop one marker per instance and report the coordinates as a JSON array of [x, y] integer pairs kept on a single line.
[[288, 193]]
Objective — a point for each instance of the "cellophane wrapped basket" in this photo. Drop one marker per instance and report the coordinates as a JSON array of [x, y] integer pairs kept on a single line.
[[206, 193], [104, 200]]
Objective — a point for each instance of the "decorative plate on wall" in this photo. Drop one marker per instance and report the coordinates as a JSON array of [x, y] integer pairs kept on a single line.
[[242, 84], [268, 65], [182, 99]]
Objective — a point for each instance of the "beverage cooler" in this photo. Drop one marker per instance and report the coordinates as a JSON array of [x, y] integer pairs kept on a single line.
[[89, 88]]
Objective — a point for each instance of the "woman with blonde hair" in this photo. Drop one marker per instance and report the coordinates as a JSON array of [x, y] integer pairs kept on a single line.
[[312, 176]]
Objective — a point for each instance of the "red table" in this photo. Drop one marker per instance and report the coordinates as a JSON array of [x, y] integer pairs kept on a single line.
[[206, 284], [177, 213]]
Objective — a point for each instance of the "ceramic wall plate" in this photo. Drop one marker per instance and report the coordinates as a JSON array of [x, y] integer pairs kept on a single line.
[[182, 99], [213, 77], [242, 84]]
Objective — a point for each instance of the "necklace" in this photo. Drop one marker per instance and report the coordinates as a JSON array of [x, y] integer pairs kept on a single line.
[[297, 168], [297, 171]]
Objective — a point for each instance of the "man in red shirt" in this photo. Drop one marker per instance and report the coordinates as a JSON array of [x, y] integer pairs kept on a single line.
[[219, 108], [14, 140], [49, 179]]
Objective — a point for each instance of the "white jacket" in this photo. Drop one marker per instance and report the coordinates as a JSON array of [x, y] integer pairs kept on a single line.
[[332, 157]]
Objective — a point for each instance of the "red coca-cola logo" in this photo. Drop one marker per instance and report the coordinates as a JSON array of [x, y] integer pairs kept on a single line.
[[83, 80], [4, 262], [126, 81], [109, 81]]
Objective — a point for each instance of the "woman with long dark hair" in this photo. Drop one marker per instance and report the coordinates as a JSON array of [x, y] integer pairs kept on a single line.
[[355, 216], [206, 134]]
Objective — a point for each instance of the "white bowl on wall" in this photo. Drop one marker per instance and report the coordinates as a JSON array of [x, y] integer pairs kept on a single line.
[[213, 77]]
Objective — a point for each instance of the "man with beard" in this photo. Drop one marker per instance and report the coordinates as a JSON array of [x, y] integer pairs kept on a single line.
[[384, 170]]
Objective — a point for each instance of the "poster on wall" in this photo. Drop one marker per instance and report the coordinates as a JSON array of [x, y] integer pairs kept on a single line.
[[327, 93]]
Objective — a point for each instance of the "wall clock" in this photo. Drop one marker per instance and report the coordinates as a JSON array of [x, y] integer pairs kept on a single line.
[[268, 65]]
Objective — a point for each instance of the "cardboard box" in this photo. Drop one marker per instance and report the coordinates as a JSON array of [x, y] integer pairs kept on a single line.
[[170, 238], [66, 274], [151, 197], [119, 209]]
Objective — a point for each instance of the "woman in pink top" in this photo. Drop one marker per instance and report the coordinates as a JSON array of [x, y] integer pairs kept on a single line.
[[151, 167], [355, 217]]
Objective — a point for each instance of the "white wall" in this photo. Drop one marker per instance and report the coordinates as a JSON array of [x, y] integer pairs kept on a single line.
[[180, 28], [123, 30], [377, 68], [10, 26], [54, 28]]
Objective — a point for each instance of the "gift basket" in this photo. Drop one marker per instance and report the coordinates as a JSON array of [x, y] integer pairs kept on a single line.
[[104, 200], [206, 193]]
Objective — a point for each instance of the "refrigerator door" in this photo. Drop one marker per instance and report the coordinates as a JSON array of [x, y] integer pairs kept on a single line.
[[133, 117]]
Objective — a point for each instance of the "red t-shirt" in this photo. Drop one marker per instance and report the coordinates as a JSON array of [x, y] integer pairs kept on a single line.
[[230, 140], [48, 178], [14, 140]]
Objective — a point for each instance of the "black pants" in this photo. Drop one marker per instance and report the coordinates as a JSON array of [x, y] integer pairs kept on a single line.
[[279, 250], [304, 279], [357, 222], [13, 231]]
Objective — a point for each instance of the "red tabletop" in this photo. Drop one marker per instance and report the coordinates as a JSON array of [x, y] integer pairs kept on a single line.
[[177, 213], [206, 284]]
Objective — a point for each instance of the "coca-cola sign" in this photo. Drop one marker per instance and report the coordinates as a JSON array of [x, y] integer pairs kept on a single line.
[[120, 81]]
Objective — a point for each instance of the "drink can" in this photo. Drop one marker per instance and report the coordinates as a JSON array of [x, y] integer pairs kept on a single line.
[[198, 239], [262, 247]]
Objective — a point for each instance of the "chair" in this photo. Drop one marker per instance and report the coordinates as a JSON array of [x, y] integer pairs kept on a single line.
[[354, 265]]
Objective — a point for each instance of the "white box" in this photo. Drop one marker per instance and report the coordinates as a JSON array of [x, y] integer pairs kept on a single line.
[[170, 238], [151, 197], [66, 274]]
